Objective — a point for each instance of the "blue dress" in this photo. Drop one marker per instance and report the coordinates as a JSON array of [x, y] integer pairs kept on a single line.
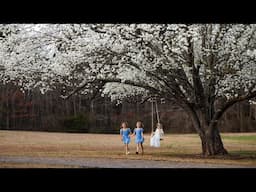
[[138, 135], [126, 135]]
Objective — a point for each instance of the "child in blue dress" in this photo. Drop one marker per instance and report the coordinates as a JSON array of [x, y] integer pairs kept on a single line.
[[139, 138], [125, 133]]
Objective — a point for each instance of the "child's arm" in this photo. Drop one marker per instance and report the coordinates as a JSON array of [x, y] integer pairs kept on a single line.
[[131, 134], [121, 134]]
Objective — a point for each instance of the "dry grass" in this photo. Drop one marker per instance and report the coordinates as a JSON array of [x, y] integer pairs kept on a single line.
[[32, 165], [174, 147]]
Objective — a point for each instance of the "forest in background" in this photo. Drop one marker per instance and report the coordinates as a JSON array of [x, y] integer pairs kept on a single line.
[[32, 110], [205, 69]]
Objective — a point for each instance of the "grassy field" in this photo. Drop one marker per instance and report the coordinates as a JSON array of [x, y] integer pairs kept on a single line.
[[174, 147], [32, 165]]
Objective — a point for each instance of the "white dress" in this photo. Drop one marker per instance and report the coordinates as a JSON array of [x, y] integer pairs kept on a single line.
[[155, 139], [161, 133]]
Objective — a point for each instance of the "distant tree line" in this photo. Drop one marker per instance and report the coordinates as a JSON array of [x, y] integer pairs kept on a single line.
[[32, 110]]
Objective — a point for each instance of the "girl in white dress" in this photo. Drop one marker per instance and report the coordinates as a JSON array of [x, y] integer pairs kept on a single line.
[[157, 136]]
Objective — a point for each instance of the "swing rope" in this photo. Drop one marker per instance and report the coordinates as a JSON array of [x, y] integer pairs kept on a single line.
[[152, 130], [154, 100], [157, 113]]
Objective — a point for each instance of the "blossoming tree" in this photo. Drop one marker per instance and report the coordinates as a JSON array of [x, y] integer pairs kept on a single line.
[[204, 68]]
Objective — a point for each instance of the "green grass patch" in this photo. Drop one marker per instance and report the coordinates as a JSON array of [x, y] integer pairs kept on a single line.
[[244, 153], [240, 137]]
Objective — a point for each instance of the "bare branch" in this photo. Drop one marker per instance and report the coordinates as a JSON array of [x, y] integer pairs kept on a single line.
[[231, 102], [112, 80]]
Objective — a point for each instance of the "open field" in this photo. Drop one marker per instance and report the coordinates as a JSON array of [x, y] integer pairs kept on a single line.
[[179, 148]]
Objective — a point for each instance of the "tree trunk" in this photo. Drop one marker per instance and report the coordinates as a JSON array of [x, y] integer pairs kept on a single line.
[[74, 106], [203, 143], [214, 144], [211, 141], [7, 108]]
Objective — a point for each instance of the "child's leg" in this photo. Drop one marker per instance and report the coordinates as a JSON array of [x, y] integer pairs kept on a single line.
[[126, 149], [125, 145], [137, 149], [142, 149]]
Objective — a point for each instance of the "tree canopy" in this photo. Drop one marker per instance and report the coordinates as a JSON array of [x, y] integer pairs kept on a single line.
[[196, 65]]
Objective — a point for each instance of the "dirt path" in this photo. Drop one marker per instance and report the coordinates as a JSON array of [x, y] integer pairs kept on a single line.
[[110, 163]]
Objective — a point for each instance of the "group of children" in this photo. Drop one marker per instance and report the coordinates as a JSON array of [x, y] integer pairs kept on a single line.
[[126, 132]]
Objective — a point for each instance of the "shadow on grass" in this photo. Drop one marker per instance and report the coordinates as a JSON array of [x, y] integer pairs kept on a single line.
[[243, 154], [233, 155]]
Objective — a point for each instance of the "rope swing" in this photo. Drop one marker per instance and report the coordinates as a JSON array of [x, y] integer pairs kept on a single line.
[[153, 101]]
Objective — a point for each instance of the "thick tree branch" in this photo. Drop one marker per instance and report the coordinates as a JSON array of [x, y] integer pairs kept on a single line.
[[230, 103], [112, 80], [198, 86]]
